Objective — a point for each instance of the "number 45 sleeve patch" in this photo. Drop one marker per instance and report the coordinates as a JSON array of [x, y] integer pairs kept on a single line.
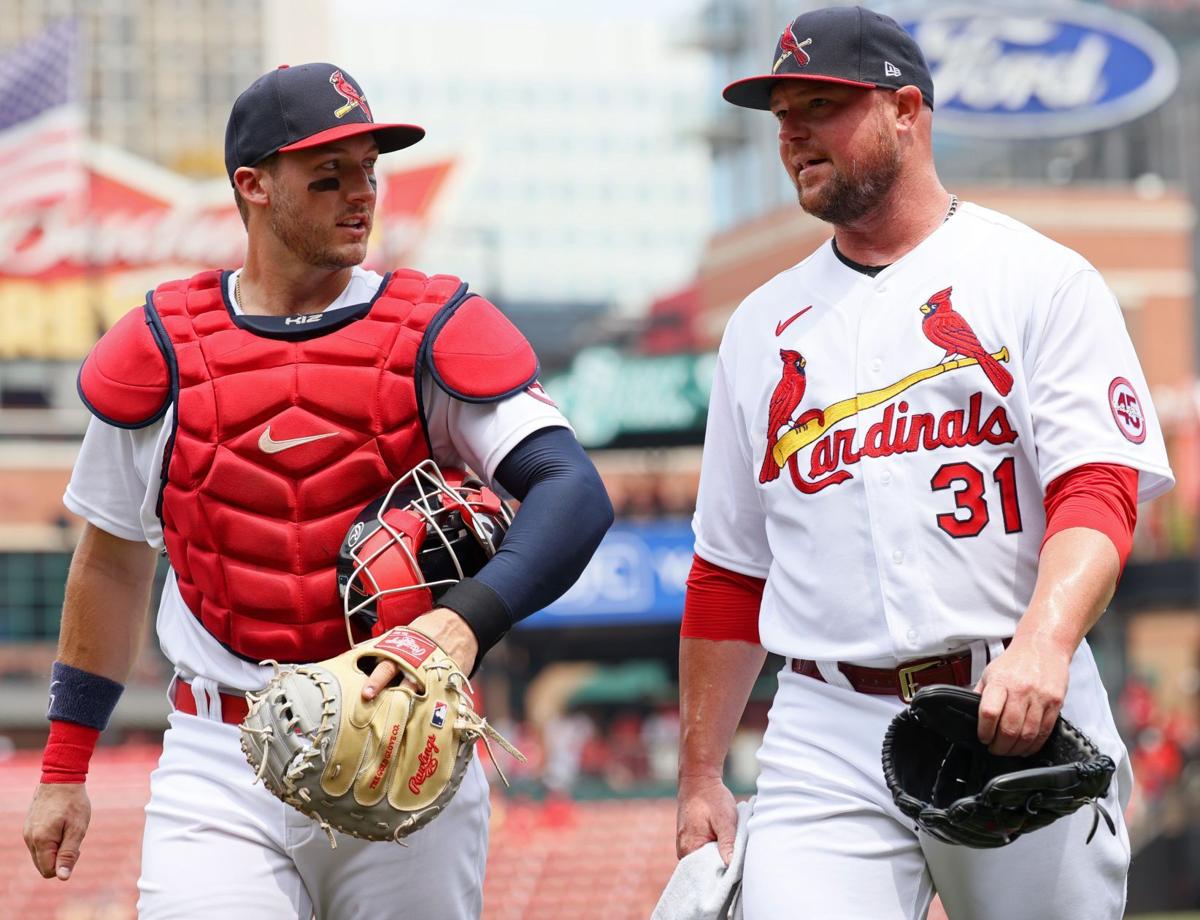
[[1127, 410]]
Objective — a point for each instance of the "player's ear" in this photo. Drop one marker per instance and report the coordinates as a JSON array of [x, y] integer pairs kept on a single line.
[[249, 182], [908, 102]]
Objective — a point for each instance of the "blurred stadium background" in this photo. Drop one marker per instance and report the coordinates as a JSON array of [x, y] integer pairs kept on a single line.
[[582, 171]]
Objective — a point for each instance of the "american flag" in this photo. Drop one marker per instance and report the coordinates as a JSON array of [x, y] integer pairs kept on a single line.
[[41, 122]]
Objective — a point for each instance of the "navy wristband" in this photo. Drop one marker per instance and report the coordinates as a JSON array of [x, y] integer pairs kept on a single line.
[[483, 609], [82, 697]]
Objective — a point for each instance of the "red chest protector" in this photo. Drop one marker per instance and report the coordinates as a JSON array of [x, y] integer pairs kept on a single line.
[[283, 429]]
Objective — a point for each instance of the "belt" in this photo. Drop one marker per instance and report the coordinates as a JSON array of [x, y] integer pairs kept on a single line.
[[234, 707], [903, 681]]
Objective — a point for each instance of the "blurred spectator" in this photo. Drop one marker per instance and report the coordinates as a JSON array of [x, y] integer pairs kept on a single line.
[[1136, 706], [566, 738], [661, 737], [628, 763], [1157, 762]]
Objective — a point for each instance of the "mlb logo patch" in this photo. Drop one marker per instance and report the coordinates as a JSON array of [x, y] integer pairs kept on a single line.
[[439, 713]]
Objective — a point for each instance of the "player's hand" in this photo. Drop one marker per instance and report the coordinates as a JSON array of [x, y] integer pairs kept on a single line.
[[54, 828], [447, 629], [1023, 692], [707, 812]]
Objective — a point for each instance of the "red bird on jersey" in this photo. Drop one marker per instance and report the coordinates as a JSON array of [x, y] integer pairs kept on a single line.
[[949, 330], [788, 393]]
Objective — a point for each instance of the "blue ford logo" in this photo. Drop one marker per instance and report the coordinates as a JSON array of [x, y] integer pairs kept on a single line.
[[1041, 73]]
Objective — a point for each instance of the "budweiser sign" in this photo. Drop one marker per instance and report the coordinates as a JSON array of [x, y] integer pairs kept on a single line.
[[36, 245], [87, 261]]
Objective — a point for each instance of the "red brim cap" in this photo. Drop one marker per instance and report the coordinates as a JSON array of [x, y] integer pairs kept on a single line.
[[388, 137], [755, 92]]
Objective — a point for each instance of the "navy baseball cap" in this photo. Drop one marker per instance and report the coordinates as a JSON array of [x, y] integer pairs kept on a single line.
[[292, 108], [843, 44]]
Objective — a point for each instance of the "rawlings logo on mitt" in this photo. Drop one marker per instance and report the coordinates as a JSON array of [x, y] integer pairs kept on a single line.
[[377, 769]]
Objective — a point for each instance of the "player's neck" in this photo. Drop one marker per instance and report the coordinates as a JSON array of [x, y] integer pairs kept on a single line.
[[913, 209], [278, 284]]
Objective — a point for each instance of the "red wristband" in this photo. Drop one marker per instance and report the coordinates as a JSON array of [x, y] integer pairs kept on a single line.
[[68, 751]]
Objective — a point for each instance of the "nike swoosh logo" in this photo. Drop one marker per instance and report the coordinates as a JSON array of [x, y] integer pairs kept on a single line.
[[269, 445], [779, 327]]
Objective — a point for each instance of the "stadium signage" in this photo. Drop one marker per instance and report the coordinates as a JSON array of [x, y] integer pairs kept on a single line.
[[72, 269], [608, 394], [34, 244], [1052, 71], [637, 575]]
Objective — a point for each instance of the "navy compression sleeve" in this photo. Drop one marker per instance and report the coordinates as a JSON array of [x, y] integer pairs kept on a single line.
[[564, 513]]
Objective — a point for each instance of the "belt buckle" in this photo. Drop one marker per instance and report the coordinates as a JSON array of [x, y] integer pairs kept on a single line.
[[908, 686]]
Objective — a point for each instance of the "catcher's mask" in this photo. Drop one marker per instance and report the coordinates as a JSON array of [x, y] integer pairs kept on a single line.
[[431, 529]]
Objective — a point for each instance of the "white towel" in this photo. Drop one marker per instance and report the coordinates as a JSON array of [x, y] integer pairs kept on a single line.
[[702, 887]]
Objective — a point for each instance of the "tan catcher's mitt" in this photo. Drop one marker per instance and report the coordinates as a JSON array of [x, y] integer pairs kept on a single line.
[[377, 769]]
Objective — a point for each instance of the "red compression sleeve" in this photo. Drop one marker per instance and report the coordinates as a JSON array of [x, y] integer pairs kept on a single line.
[[1099, 496], [721, 604], [68, 751]]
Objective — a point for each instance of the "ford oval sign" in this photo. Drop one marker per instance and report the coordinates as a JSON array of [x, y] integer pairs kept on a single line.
[[1047, 72]]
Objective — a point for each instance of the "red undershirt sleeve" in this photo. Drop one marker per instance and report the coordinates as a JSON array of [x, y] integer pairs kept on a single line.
[[1099, 496], [721, 604]]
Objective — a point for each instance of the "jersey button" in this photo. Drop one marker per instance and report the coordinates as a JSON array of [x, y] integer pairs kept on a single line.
[[898, 557], [885, 477], [876, 365], [912, 635]]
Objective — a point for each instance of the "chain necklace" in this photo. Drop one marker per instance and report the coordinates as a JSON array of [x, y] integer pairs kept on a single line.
[[237, 285], [949, 213]]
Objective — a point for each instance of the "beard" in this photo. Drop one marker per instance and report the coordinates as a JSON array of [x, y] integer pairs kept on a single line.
[[307, 239], [849, 195]]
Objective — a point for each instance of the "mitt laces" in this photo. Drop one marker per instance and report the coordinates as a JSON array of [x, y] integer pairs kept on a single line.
[[303, 761], [1097, 811], [475, 726]]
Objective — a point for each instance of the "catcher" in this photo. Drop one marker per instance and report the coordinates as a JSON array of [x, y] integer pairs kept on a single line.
[[242, 421]]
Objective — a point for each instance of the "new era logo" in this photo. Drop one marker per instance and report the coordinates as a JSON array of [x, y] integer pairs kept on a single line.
[[890, 69]]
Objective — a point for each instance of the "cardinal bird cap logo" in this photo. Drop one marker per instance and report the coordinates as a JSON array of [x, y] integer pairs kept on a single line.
[[354, 99], [790, 47]]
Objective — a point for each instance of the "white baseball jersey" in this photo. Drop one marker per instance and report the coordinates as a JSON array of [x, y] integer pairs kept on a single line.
[[115, 485], [913, 421]]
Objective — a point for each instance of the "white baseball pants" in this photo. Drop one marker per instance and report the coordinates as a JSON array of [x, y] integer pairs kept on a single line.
[[218, 846], [826, 840]]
